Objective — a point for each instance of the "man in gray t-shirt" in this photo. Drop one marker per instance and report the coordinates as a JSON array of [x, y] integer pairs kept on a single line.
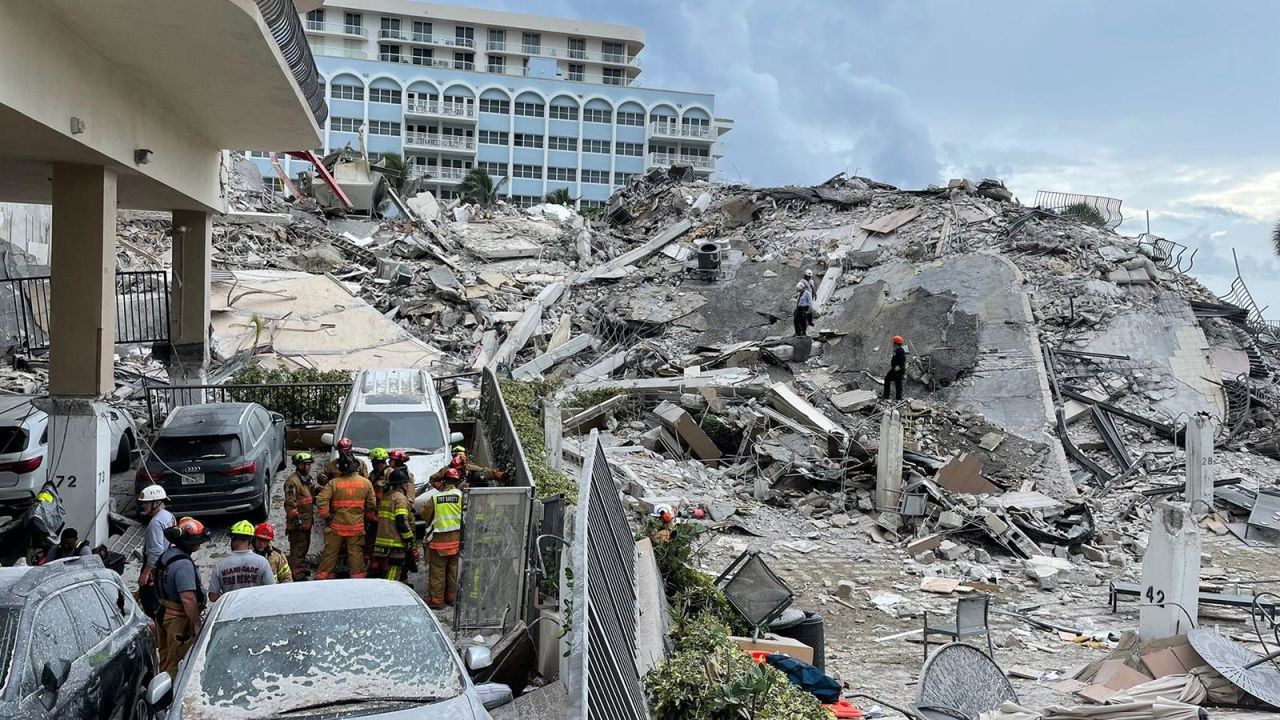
[[242, 568]]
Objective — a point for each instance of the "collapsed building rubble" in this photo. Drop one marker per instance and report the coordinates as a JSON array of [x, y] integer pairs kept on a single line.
[[1054, 367]]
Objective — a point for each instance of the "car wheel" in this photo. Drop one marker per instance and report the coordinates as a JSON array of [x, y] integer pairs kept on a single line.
[[124, 454]]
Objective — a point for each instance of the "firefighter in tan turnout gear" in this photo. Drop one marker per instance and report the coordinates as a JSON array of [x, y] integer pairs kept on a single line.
[[344, 504], [299, 506], [395, 526], [443, 515]]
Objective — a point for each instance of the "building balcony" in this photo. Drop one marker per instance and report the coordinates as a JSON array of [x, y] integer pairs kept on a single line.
[[698, 163], [442, 175], [442, 63], [442, 109], [449, 41], [562, 53], [315, 26], [437, 141], [340, 52], [660, 128]]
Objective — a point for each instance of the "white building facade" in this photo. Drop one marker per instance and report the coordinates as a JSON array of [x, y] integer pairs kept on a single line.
[[548, 103]]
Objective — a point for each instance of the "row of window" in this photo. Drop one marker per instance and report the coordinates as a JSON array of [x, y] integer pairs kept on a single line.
[[557, 142], [560, 174], [376, 127], [530, 42]]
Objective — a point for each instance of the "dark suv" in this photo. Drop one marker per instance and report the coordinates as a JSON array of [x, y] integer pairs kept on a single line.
[[73, 644], [216, 458]]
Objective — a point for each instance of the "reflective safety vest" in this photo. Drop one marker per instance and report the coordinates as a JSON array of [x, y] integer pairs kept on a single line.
[[448, 511]]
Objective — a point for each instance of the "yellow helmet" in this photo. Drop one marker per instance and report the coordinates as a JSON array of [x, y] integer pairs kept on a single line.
[[244, 527], [379, 454]]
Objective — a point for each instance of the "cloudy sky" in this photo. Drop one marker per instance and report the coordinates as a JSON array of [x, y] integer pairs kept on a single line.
[[1172, 106]]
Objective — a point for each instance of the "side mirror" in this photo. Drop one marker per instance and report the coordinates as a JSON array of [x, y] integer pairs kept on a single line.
[[54, 674], [276, 418], [477, 657], [493, 695], [455, 438], [159, 691], [327, 439]]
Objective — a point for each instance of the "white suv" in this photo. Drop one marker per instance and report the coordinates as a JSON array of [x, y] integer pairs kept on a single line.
[[397, 409], [24, 441]]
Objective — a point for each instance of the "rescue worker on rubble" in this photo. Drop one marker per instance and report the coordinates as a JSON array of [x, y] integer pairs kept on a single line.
[[263, 534], [802, 318], [344, 505], [808, 280], [897, 368], [331, 469], [395, 542], [69, 545], [299, 504], [443, 515], [243, 567], [181, 594], [471, 475]]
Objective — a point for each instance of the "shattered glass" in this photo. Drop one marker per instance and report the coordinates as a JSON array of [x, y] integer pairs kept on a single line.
[[257, 666]]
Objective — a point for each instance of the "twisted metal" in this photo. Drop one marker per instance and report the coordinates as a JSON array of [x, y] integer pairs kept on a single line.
[[1107, 207]]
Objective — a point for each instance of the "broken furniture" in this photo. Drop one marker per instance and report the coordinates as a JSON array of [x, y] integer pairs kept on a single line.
[[754, 590], [1256, 676], [1128, 589], [971, 619], [958, 681]]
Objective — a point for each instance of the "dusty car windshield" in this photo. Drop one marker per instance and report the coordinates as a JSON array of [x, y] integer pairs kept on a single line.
[[409, 430], [256, 667]]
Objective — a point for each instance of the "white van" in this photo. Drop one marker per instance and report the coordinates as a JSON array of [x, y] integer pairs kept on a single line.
[[397, 409]]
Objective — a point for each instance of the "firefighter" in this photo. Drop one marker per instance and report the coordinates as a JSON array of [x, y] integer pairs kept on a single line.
[[443, 515], [299, 504], [377, 477], [395, 526], [181, 594], [263, 534], [331, 469], [400, 461], [470, 474], [344, 505]]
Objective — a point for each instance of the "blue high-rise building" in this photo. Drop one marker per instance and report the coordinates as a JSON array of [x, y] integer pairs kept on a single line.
[[549, 103]]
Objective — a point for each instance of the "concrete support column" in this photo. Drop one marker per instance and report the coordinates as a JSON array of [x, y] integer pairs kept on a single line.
[[1199, 446], [1170, 592], [82, 340], [189, 299], [889, 463]]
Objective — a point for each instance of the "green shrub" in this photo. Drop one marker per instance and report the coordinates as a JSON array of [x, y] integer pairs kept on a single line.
[[524, 402], [708, 677], [1085, 213], [300, 406]]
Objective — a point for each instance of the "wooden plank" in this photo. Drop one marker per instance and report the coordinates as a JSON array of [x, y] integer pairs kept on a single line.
[[533, 369], [635, 255], [892, 221]]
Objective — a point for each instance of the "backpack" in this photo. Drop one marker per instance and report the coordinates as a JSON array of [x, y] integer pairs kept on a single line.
[[153, 607]]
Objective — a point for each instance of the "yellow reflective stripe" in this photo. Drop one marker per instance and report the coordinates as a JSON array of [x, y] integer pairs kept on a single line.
[[389, 542], [387, 515]]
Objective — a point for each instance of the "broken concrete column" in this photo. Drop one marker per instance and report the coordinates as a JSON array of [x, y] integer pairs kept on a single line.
[[1170, 574], [552, 428], [889, 462], [1199, 446]]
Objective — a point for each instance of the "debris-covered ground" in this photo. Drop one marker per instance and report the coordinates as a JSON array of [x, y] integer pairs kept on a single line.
[[1052, 367]]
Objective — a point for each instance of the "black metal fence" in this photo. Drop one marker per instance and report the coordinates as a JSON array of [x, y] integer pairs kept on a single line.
[[603, 678], [1107, 208], [142, 308], [301, 403]]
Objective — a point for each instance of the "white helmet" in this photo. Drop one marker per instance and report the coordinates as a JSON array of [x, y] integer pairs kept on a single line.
[[800, 285], [808, 273], [152, 493]]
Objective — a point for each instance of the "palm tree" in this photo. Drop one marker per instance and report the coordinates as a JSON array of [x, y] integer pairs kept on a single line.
[[399, 175], [478, 188], [1275, 237], [559, 196]]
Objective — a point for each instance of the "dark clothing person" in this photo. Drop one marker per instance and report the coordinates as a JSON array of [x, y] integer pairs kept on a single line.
[[61, 550], [803, 316], [897, 371]]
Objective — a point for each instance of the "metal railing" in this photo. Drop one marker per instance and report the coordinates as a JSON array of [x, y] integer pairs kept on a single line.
[[445, 40], [339, 52], [562, 53], [336, 28], [697, 162], [683, 130], [281, 17], [1107, 208], [300, 403], [439, 174], [1167, 254], [603, 678], [437, 140], [1239, 295], [443, 108], [142, 308]]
